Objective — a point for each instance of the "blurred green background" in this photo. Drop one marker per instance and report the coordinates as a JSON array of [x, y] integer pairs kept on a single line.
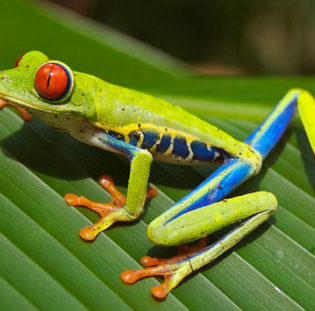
[[44, 265], [217, 37]]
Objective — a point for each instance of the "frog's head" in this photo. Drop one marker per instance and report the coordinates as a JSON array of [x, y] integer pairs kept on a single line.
[[48, 86]]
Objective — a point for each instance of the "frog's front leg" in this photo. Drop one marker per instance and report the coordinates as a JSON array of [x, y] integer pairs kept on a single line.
[[121, 208], [26, 116]]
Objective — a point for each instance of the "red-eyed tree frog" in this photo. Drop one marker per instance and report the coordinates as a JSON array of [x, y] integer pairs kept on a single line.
[[144, 128]]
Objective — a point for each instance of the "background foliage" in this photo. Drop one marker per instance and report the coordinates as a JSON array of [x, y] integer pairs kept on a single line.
[[45, 265], [226, 36]]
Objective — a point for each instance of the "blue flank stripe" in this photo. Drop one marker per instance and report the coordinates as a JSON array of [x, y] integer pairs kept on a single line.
[[149, 139], [164, 143], [200, 151], [121, 146], [180, 148]]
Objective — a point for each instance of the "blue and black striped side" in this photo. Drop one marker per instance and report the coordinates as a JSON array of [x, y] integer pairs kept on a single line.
[[180, 147], [150, 138], [164, 144], [203, 152]]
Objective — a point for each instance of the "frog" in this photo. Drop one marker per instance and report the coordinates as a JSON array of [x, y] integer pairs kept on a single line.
[[144, 128]]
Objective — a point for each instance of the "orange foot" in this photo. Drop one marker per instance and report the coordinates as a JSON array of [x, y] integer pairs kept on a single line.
[[109, 212], [172, 269], [26, 116]]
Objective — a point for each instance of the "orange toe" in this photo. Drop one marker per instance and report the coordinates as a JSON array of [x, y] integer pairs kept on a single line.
[[88, 233], [26, 116], [3, 104], [151, 193], [109, 212], [148, 261], [130, 276], [72, 199], [159, 291], [168, 272]]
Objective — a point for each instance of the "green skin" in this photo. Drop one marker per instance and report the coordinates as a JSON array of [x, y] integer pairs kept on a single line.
[[83, 114], [94, 105]]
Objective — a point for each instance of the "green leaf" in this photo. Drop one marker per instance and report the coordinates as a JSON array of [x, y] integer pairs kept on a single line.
[[45, 265]]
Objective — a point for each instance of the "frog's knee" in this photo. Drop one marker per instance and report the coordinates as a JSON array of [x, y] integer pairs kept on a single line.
[[159, 234], [155, 232]]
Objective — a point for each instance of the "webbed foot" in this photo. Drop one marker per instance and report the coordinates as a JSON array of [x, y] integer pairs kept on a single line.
[[26, 116], [173, 269], [109, 212]]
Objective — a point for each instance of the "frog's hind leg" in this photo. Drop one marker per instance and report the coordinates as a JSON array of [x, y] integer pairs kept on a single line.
[[255, 208], [192, 218], [200, 212]]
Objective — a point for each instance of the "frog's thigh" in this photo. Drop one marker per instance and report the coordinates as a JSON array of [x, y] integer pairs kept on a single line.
[[205, 220]]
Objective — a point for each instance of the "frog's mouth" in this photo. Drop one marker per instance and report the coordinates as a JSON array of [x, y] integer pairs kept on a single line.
[[20, 103]]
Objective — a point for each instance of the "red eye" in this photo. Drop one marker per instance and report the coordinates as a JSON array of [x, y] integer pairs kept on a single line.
[[17, 62], [53, 81]]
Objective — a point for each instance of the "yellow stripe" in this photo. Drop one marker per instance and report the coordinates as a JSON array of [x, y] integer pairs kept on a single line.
[[125, 130]]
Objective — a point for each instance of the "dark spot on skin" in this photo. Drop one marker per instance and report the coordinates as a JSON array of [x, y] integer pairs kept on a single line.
[[224, 200], [116, 135], [68, 118], [2, 78], [219, 187], [75, 74], [82, 94], [139, 125], [82, 131], [56, 116], [123, 109], [166, 129], [27, 66]]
